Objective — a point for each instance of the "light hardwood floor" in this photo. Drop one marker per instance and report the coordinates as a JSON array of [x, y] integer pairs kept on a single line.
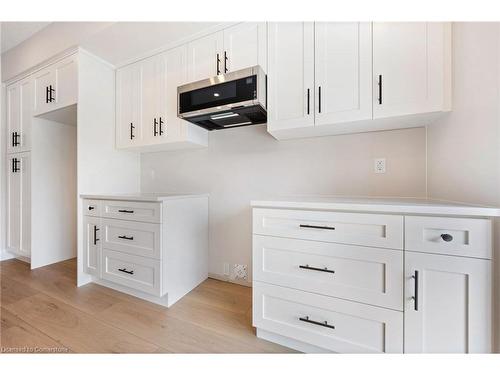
[[44, 309]]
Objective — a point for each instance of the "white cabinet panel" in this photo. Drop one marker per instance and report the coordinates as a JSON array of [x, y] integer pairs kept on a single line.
[[66, 85], [13, 95], [205, 57], [358, 273], [128, 106], [92, 245], [343, 71], [447, 304], [19, 204], [408, 57], [27, 107], [44, 82], [245, 46], [290, 75], [326, 322]]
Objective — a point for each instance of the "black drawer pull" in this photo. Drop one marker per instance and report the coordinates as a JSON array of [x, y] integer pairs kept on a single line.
[[124, 270], [415, 293], [131, 238], [91, 208], [322, 324], [447, 237], [307, 267], [316, 226], [95, 234], [126, 211]]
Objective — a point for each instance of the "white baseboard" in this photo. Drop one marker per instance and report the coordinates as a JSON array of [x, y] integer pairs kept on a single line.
[[5, 255], [229, 280]]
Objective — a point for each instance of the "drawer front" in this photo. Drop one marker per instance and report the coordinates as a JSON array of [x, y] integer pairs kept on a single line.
[[132, 237], [132, 271], [91, 207], [349, 228], [330, 323], [449, 236], [136, 211], [362, 274]]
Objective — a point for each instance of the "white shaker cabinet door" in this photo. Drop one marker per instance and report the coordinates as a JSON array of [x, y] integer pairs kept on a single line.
[[128, 108], [13, 96], [92, 245], [245, 45], [205, 57], [66, 82], [290, 75], [408, 68], [447, 304], [343, 71]]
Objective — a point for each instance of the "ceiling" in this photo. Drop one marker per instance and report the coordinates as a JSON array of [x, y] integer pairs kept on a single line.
[[14, 33]]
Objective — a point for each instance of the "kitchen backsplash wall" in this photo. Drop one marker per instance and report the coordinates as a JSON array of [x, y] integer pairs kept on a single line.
[[243, 164]]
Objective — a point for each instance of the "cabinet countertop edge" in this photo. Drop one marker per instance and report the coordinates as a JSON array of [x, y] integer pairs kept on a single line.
[[143, 197]]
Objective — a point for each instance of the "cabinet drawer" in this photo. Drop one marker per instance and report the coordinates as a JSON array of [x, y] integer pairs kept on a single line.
[[132, 237], [450, 236], [363, 274], [91, 207], [341, 326], [350, 228], [132, 271], [136, 211]]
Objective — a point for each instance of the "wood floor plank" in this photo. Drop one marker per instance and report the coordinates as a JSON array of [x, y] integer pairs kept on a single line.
[[13, 291], [17, 336], [76, 329]]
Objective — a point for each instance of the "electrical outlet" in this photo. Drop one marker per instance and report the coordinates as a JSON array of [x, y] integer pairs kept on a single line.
[[226, 269], [240, 271], [379, 165]]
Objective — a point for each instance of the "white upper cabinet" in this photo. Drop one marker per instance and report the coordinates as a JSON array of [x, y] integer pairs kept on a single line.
[[57, 85], [20, 97], [447, 304], [408, 68], [290, 75], [366, 76], [128, 106], [244, 46], [205, 57], [343, 71]]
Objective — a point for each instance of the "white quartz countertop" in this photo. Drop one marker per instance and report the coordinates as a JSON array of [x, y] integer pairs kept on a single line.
[[383, 205], [143, 197]]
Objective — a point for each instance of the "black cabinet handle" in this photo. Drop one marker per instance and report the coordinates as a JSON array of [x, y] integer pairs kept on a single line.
[[155, 131], [126, 211], [319, 98], [308, 101], [225, 62], [316, 226], [95, 234], [218, 64], [447, 237], [91, 208], [160, 124], [16, 139], [52, 91], [125, 271], [307, 267], [380, 89], [131, 238], [322, 324], [415, 294], [132, 127], [46, 94], [15, 167]]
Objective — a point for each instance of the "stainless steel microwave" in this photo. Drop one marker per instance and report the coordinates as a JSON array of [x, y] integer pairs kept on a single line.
[[225, 101]]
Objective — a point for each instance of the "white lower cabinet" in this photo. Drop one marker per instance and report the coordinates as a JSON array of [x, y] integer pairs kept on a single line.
[[126, 246], [447, 304], [361, 282]]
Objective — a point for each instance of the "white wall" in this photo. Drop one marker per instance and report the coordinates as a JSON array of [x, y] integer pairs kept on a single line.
[[247, 163], [464, 147]]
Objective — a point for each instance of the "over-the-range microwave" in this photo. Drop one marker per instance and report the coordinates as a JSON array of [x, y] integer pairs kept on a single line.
[[225, 101]]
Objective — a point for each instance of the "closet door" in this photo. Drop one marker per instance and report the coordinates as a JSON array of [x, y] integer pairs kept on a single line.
[[13, 204], [408, 68], [448, 304], [128, 106], [343, 71], [290, 75], [14, 133], [205, 57], [27, 97], [245, 45]]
